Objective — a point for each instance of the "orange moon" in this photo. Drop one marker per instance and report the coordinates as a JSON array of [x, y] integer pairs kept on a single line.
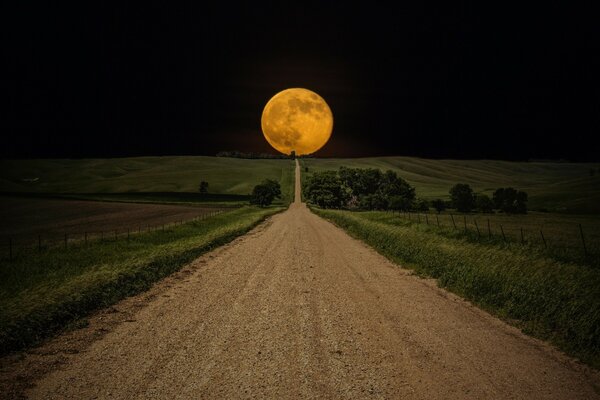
[[297, 120]]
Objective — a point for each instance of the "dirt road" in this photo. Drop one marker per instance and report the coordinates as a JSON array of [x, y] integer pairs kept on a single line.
[[298, 309]]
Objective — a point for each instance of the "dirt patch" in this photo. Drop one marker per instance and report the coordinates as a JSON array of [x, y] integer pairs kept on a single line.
[[23, 219]]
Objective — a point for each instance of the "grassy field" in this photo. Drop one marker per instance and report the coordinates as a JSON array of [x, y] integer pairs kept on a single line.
[[547, 298], [557, 187], [41, 293], [557, 235], [152, 178]]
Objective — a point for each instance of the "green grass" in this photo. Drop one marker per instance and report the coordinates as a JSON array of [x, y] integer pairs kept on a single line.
[[561, 238], [42, 293], [554, 300], [558, 187], [226, 176]]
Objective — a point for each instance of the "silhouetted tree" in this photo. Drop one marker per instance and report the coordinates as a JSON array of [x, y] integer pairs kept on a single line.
[[439, 205], [462, 197], [421, 205], [264, 193], [203, 189], [510, 200], [484, 203]]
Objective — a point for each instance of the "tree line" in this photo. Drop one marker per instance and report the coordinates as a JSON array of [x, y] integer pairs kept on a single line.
[[372, 189]]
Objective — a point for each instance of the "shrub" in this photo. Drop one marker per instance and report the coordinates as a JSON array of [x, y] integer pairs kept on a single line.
[[439, 205], [484, 203], [510, 200], [264, 193], [462, 197]]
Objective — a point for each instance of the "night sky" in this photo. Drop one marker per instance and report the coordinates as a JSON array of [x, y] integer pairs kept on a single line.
[[125, 80]]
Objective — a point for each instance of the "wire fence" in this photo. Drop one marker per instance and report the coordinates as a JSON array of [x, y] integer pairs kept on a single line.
[[45, 241], [573, 238]]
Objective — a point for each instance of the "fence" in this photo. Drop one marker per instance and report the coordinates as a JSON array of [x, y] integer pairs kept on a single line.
[[42, 242], [560, 236]]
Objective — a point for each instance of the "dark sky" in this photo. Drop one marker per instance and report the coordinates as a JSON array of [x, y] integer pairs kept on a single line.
[[128, 80]]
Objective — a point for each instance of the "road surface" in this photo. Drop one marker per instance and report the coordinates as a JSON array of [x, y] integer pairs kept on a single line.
[[298, 309]]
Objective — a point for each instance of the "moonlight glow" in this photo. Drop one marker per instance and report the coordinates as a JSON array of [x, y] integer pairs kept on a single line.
[[297, 119]]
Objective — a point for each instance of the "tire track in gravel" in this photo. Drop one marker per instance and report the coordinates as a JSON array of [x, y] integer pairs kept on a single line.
[[298, 309]]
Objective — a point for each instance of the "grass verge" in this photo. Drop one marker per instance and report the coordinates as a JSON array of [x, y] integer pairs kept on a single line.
[[41, 294], [553, 300]]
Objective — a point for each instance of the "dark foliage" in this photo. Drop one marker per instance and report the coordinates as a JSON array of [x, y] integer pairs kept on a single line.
[[510, 200], [462, 197], [367, 189], [325, 190], [484, 203], [439, 205], [203, 189], [264, 193]]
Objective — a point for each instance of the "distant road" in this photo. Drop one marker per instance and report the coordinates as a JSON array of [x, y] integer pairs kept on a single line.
[[298, 309]]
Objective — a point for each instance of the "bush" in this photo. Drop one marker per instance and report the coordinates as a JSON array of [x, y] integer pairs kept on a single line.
[[421, 205], [325, 190], [462, 197], [264, 193], [484, 203], [510, 200], [203, 189], [439, 205]]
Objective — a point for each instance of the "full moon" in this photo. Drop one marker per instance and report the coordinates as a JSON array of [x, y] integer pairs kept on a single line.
[[297, 120]]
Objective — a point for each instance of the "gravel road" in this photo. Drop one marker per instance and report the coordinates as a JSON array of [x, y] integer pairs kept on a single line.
[[297, 309]]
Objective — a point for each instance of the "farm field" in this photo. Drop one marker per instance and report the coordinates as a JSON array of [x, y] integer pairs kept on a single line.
[[43, 292], [152, 178], [552, 186], [27, 220]]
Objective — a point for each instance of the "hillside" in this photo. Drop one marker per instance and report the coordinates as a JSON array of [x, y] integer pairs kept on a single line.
[[554, 186], [232, 176]]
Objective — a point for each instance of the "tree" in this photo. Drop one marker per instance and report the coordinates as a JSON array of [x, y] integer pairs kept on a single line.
[[484, 203], [421, 205], [203, 189], [264, 193], [462, 197], [439, 205], [399, 203], [510, 200], [293, 155], [325, 190], [371, 189]]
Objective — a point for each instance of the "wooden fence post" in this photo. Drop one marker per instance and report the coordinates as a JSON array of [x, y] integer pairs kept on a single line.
[[438, 220], [426, 219], [503, 235], [522, 237], [583, 240], [489, 229], [453, 223], [477, 227], [419, 217], [85, 238], [465, 219], [543, 238]]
